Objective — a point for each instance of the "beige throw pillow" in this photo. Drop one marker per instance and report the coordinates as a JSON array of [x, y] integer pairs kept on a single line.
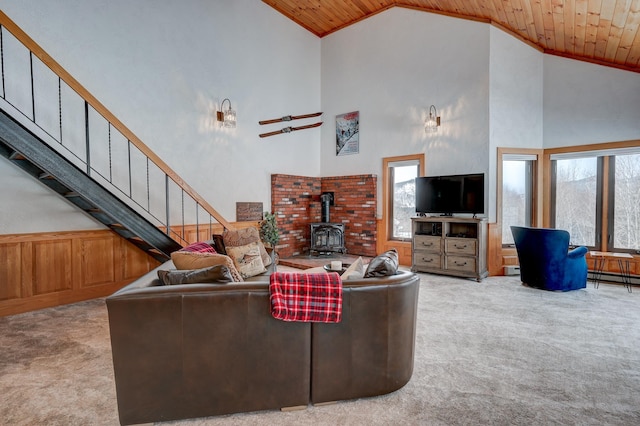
[[247, 259], [244, 236], [191, 260], [355, 271]]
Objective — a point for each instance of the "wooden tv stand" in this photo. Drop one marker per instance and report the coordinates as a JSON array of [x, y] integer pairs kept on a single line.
[[449, 246]]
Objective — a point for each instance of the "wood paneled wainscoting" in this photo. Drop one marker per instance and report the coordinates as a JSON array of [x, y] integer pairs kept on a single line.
[[55, 268]]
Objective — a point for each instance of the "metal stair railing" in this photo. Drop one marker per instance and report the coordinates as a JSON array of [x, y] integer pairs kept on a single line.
[[37, 91]]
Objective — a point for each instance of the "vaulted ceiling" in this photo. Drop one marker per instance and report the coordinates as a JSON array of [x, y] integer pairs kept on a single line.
[[599, 31]]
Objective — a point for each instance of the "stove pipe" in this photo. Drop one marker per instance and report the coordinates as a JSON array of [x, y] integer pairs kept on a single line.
[[326, 198]]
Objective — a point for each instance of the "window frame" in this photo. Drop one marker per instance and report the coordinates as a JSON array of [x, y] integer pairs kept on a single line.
[[600, 184], [605, 205], [387, 186], [536, 184], [609, 206]]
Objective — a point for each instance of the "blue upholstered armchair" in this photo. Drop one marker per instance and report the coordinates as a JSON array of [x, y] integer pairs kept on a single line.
[[546, 261]]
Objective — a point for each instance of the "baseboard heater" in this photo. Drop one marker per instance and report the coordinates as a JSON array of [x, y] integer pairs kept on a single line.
[[512, 270]]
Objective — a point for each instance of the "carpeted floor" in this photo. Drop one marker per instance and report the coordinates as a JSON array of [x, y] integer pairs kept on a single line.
[[494, 353]]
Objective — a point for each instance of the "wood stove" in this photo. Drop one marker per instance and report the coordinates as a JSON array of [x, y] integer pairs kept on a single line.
[[327, 237]]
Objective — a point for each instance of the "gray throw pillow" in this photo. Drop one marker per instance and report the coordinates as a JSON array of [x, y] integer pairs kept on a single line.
[[211, 274], [383, 265]]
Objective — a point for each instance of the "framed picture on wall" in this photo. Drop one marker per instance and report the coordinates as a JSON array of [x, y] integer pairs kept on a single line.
[[348, 133]]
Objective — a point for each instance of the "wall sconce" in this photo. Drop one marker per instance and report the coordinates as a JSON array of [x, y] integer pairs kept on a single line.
[[433, 122], [228, 117]]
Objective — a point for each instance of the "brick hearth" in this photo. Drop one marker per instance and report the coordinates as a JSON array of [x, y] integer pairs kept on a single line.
[[296, 202]]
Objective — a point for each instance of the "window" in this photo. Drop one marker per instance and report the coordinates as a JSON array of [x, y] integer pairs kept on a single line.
[[575, 198], [519, 173], [625, 206], [596, 197], [399, 180]]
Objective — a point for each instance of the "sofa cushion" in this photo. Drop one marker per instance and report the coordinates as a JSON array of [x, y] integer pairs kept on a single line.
[[193, 260], [212, 274], [355, 271], [384, 264], [244, 236], [247, 259], [199, 247]]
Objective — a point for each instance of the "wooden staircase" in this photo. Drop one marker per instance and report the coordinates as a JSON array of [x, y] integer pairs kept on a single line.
[[26, 150], [153, 208]]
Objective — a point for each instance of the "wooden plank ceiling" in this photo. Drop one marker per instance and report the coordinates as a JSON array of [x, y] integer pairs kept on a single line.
[[599, 31]]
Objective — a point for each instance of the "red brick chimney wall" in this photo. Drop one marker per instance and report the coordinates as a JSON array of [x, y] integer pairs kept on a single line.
[[291, 201], [355, 205], [296, 202]]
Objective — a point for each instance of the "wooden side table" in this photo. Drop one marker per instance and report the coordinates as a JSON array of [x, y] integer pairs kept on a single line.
[[623, 262]]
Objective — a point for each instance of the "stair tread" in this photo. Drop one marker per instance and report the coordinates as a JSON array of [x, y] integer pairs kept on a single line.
[[17, 156], [138, 240]]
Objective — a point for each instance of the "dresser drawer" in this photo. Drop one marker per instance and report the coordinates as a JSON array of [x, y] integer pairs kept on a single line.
[[460, 246], [461, 263], [427, 243], [427, 260]]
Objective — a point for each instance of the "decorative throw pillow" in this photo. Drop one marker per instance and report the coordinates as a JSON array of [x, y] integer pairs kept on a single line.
[[247, 259], [383, 265], [212, 274], [240, 237], [191, 260], [199, 247], [244, 236], [355, 271]]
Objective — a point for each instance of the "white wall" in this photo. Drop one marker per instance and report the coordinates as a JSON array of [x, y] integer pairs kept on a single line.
[[29, 206], [392, 67], [516, 92], [515, 100], [163, 67], [586, 103]]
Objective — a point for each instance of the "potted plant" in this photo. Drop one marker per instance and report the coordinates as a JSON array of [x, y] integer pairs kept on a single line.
[[269, 232]]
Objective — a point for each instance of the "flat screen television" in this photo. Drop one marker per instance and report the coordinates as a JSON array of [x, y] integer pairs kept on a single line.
[[448, 195]]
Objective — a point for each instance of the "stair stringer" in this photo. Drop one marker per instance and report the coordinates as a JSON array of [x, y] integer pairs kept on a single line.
[[29, 152]]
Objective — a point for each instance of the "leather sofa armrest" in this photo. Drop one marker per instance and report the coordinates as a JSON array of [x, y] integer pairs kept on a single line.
[[150, 279]]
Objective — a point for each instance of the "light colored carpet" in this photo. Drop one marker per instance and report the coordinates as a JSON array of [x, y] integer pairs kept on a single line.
[[494, 353]]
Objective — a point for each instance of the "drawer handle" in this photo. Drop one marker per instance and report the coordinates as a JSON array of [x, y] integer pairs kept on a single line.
[[460, 264], [460, 247], [427, 245], [427, 260]]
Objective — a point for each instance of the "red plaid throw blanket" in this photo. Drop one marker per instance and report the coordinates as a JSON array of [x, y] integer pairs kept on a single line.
[[303, 297]]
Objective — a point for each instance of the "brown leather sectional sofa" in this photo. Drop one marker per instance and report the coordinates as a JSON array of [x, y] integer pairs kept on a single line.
[[198, 350]]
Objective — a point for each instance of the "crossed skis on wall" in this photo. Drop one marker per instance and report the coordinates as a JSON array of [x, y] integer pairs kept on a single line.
[[289, 129]]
